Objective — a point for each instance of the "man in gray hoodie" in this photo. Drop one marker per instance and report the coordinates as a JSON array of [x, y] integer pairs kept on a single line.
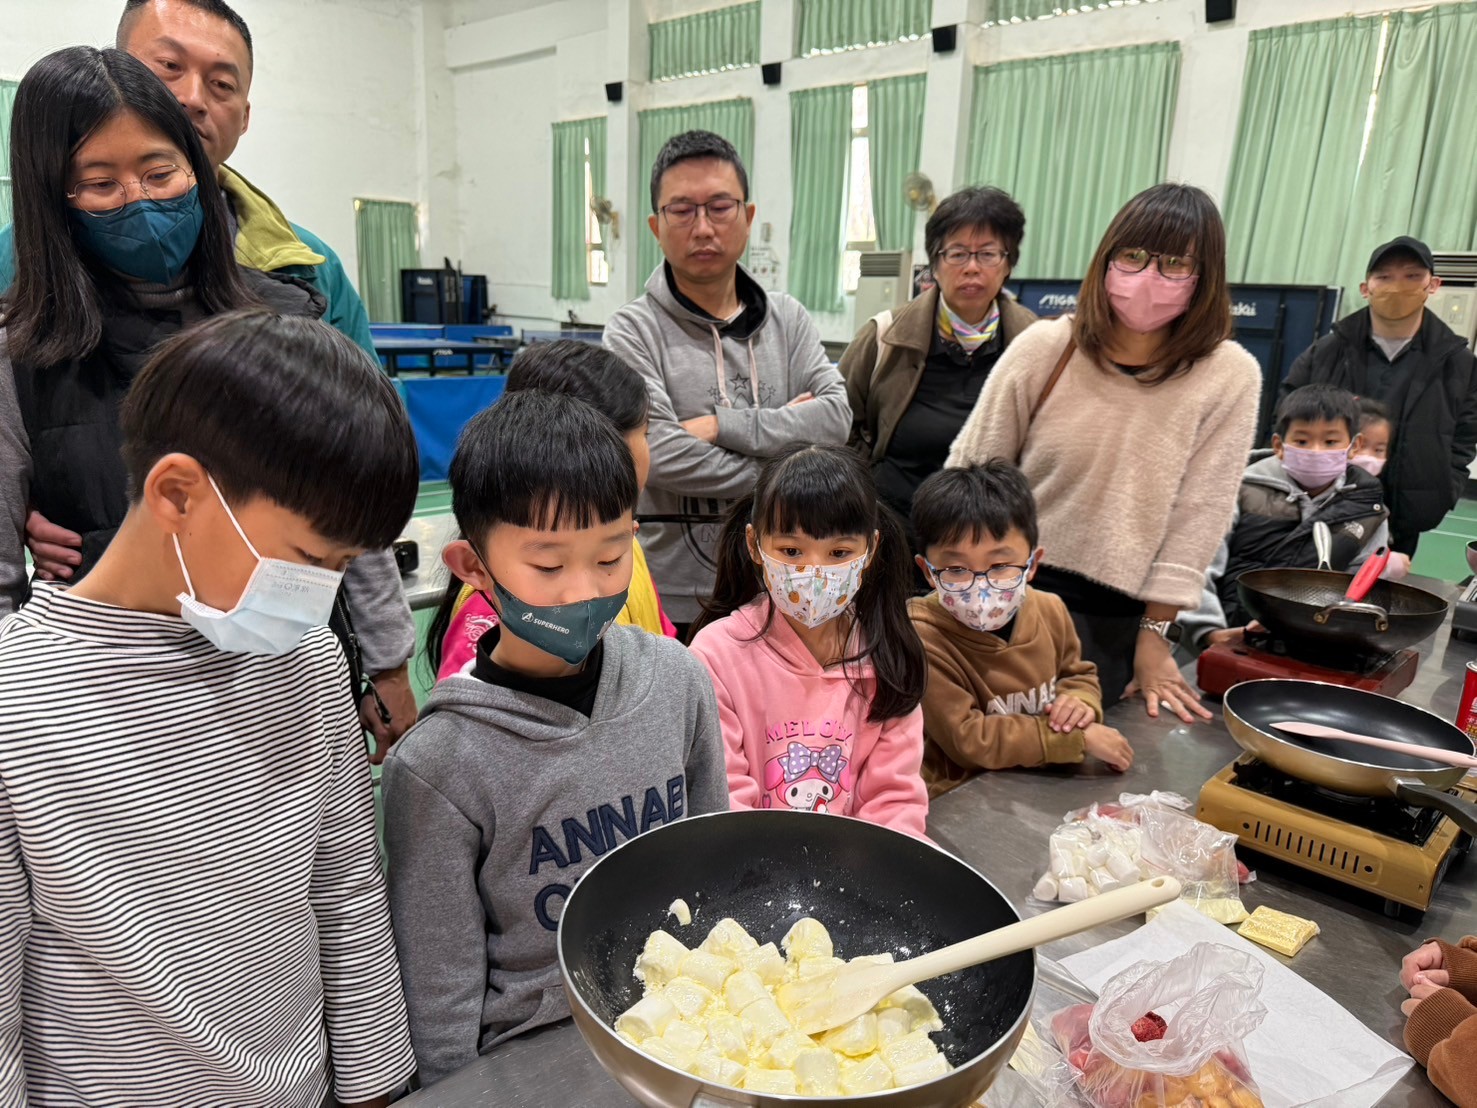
[[735, 373]]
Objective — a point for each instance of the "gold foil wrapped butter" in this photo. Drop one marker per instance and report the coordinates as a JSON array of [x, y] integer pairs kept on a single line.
[[1278, 931]]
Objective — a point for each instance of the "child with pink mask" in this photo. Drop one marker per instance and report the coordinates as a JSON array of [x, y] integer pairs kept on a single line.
[[1308, 477], [818, 670]]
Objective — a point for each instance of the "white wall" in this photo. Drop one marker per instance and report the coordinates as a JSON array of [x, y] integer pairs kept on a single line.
[[335, 97], [548, 57]]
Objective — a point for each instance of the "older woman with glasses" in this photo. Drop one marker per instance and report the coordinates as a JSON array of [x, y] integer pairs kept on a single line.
[[117, 247], [1132, 421], [913, 376]]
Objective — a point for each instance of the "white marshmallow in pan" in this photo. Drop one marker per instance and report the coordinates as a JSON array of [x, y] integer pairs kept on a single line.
[[1046, 888], [1097, 855], [1102, 881]]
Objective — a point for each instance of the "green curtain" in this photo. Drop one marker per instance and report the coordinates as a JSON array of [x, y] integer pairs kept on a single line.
[[825, 25], [1417, 176], [570, 257], [386, 233], [1304, 100], [895, 141], [725, 38], [1072, 138], [7, 102], [1018, 11], [733, 119], [820, 140]]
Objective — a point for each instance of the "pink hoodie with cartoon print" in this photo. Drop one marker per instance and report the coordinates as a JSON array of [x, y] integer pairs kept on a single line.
[[797, 735]]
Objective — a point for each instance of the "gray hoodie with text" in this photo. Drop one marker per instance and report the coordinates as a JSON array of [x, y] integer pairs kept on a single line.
[[497, 801], [745, 371]]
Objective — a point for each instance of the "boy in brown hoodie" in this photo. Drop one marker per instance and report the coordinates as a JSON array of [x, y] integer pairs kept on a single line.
[[1441, 1028], [1007, 684]]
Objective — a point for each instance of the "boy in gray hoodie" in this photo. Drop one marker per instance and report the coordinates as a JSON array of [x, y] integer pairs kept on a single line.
[[567, 737], [736, 374]]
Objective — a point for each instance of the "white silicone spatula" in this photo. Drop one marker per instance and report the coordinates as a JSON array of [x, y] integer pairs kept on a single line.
[[1415, 750], [850, 991]]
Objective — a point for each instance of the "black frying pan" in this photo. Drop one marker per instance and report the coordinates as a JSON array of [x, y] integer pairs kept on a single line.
[[1306, 607], [874, 889], [1251, 708]]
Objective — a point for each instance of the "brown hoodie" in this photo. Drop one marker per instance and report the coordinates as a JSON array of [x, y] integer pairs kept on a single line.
[[1442, 1032], [986, 700]]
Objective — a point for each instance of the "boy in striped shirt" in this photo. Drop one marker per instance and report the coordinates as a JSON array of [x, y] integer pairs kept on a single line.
[[191, 904]]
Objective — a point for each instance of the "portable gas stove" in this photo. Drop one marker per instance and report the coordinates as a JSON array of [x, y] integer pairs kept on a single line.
[[1378, 845], [1264, 655]]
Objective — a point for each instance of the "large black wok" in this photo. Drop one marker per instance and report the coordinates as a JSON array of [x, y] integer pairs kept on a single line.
[[1306, 609], [1251, 708], [874, 889]]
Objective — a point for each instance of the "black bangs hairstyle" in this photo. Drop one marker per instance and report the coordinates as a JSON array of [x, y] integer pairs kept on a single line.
[[53, 311], [283, 407], [1372, 412], [974, 502], [1316, 403], [534, 459], [589, 372], [827, 491]]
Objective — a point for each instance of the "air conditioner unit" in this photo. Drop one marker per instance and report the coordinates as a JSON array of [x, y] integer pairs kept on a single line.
[[1456, 303], [885, 282]]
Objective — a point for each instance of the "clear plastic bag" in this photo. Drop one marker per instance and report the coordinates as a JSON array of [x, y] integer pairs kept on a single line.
[[1203, 1004], [1104, 846]]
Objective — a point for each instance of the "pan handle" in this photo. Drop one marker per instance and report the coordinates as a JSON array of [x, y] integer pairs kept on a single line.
[[1425, 796], [1380, 615]]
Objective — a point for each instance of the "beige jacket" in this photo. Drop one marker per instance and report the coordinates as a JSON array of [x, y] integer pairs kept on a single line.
[[881, 390]]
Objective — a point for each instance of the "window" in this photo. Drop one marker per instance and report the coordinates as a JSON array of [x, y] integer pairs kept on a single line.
[[597, 261], [7, 100], [860, 230]]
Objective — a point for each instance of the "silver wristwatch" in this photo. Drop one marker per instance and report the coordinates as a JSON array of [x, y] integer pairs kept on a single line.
[[1166, 629]]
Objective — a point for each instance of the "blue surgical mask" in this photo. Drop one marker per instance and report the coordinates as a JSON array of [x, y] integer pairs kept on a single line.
[[281, 603], [151, 240], [567, 631]]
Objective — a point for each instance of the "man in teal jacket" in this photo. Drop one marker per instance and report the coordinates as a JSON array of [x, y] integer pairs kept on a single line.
[[202, 50]]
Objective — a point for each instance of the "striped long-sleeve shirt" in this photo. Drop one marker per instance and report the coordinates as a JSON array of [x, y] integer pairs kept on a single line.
[[191, 904]]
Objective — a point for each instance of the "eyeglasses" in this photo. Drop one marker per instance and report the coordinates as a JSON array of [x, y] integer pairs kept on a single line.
[[958, 257], [964, 579], [1134, 259], [723, 210], [104, 195]]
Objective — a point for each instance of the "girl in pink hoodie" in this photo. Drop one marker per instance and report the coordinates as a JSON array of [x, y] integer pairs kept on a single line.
[[817, 667]]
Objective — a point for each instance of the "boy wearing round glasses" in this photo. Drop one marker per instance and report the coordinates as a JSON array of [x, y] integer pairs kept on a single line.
[[1007, 684]]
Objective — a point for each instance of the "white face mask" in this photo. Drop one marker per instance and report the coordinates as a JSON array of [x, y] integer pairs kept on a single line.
[[1369, 463], [812, 595], [281, 603]]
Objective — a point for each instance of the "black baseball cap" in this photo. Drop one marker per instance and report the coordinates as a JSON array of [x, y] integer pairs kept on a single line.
[[1403, 245]]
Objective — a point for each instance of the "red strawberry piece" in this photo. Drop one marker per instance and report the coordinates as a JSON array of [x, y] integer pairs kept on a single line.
[[1150, 1027]]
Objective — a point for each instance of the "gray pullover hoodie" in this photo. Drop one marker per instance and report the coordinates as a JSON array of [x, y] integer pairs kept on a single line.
[[497, 801], [745, 371]]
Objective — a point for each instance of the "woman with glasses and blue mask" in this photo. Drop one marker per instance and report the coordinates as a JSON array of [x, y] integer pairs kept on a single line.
[[117, 248], [913, 376], [1132, 421]]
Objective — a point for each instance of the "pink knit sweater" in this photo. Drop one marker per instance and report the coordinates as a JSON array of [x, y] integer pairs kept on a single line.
[[1135, 484]]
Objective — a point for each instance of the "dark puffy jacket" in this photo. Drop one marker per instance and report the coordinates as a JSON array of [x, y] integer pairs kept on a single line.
[[1433, 400], [71, 411]]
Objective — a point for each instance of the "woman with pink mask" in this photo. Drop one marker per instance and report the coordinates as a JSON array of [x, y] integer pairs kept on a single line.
[[1132, 421]]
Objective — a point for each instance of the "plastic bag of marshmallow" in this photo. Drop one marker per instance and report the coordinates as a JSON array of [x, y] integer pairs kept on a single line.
[[1105, 846]]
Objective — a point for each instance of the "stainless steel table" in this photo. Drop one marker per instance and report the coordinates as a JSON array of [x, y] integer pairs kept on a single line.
[[999, 823]]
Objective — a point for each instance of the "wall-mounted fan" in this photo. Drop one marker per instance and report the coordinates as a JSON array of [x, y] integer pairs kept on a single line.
[[918, 189]]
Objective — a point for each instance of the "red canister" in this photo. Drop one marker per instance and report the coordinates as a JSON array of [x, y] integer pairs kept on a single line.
[[1466, 716]]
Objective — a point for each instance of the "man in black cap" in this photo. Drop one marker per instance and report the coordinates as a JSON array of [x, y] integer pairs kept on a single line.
[[1396, 352]]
